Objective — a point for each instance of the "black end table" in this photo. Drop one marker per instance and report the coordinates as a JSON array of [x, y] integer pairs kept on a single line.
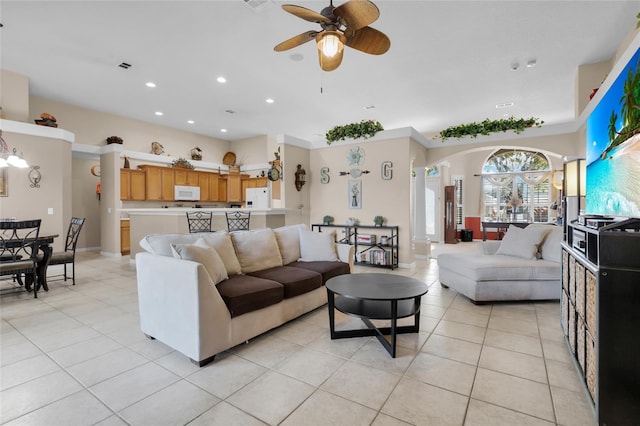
[[375, 297]]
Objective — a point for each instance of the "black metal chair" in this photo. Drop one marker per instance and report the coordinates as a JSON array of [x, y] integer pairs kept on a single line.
[[68, 256], [199, 221], [19, 251], [238, 221]]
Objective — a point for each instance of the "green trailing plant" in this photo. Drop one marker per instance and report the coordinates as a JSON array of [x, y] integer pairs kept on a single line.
[[364, 129], [517, 125], [638, 24], [182, 163], [327, 220]]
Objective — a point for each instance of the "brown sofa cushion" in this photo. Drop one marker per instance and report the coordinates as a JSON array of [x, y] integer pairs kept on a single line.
[[244, 293], [296, 281], [328, 270]]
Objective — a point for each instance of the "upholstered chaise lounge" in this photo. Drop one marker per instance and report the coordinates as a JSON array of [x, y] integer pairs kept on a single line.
[[525, 265]]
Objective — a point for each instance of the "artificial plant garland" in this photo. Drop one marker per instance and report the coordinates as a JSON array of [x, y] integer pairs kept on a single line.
[[518, 125], [364, 129]]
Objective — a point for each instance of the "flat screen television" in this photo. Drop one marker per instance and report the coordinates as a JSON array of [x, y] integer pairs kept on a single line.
[[613, 147]]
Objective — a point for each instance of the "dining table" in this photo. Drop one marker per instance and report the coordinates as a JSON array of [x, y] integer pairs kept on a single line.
[[43, 241]]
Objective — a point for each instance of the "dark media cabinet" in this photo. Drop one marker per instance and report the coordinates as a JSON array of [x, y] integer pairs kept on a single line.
[[600, 313]]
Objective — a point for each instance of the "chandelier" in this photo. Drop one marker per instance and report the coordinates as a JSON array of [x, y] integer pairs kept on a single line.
[[10, 158]]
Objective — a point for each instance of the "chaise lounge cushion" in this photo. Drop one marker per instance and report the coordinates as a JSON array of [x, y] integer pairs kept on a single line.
[[244, 293], [522, 242], [296, 281], [486, 267]]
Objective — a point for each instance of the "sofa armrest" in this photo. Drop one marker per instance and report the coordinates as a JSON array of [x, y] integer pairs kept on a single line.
[[489, 247], [345, 254], [180, 306]]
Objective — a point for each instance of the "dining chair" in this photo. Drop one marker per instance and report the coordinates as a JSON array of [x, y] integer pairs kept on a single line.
[[68, 256], [199, 221], [18, 251], [238, 221]]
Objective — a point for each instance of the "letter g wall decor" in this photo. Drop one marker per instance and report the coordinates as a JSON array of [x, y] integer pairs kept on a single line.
[[386, 170]]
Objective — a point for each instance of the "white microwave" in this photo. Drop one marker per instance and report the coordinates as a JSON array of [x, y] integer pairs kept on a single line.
[[186, 193]]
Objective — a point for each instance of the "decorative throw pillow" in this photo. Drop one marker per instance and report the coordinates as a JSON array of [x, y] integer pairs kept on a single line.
[[288, 238], [205, 255], [520, 242], [256, 250], [317, 246], [221, 241], [550, 248]]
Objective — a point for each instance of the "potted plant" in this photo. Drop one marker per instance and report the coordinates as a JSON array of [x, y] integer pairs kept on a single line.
[[378, 220], [327, 220]]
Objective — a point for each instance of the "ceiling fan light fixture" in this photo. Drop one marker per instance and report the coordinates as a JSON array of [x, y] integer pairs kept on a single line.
[[331, 43]]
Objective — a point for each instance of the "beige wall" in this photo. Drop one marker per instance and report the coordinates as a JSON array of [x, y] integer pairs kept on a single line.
[[24, 202], [14, 96], [85, 202], [297, 203], [388, 198]]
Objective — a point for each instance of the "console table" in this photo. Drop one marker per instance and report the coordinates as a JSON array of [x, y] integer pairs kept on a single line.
[[500, 225], [381, 253]]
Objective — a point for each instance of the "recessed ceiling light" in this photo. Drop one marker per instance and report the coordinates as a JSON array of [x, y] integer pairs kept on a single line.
[[150, 84], [159, 113], [190, 121], [270, 101], [515, 66], [223, 130], [221, 79], [532, 63]]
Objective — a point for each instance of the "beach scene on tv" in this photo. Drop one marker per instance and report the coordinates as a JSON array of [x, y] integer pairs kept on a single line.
[[613, 147]]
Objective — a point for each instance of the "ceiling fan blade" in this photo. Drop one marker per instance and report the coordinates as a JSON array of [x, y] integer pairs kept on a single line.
[[306, 14], [330, 64], [368, 40], [296, 41], [357, 13]]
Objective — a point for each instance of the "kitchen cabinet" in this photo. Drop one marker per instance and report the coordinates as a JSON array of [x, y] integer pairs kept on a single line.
[[259, 182], [210, 187], [186, 177], [234, 186], [125, 237], [160, 183], [132, 185]]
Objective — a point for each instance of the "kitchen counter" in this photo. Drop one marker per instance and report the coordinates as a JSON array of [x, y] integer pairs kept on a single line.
[[145, 221]]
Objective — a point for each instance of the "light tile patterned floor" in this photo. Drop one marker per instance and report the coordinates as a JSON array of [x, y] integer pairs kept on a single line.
[[76, 356]]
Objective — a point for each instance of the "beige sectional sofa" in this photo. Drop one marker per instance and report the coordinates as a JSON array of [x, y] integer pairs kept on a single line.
[[525, 265], [207, 292]]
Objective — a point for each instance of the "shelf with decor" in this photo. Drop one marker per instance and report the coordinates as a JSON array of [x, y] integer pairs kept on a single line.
[[371, 248], [599, 315]]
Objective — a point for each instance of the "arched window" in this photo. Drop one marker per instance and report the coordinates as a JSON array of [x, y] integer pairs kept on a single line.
[[516, 186]]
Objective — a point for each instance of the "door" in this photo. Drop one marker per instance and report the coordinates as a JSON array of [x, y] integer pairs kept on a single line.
[[432, 210], [449, 214]]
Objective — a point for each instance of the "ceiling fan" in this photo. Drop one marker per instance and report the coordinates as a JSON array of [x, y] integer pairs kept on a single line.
[[345, 24]]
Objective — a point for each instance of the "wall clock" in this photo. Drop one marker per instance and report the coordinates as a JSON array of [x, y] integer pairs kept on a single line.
[[273, 174]]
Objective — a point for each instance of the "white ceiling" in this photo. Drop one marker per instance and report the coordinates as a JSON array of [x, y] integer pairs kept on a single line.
[[449, 63]]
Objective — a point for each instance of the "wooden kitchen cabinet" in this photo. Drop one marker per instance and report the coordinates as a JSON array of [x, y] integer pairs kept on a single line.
[[125, 237], [186, 177], [160, 183], [132, 185], [259, 182], [234, 187], [210, 187]]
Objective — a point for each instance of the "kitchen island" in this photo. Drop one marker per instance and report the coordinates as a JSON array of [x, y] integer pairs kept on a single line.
[[145, 221]]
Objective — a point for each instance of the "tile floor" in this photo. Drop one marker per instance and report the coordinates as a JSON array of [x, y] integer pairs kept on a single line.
[[76, 356]]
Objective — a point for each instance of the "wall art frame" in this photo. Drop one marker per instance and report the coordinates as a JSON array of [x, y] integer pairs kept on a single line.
[[354, 194]]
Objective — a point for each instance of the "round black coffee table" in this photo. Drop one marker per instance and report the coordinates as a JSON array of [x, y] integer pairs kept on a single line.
[[379, 297]]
